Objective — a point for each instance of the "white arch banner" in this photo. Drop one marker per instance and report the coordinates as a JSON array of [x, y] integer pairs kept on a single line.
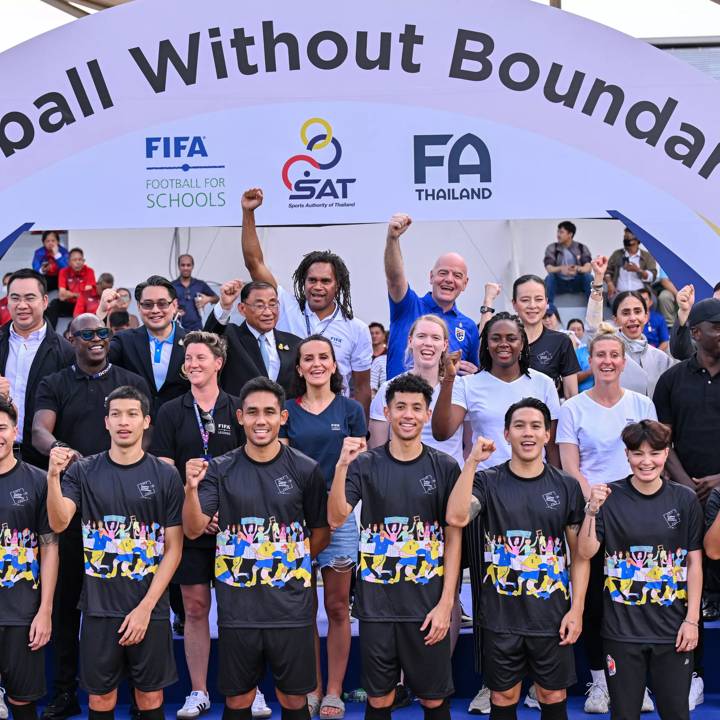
[[160, 112]]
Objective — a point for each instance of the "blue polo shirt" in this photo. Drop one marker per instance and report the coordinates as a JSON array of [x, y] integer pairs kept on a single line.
[[464, 334], [656, 329], [191, 320]]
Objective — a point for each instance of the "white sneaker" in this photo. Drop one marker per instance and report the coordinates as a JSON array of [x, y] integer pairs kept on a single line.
[[531, 700], [598, 700], [480, 704], [697, 691], [648, 705], [260, 708], [3, 706], [196, 703]]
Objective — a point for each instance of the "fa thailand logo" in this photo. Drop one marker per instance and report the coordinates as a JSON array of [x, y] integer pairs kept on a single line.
[[428, 484], [284, 484], [459, 333], [19, 496], [545, 357], [147, 489], [552, 500], [316, 185], [672, 518]]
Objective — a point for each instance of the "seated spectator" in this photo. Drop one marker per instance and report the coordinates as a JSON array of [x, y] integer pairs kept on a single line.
[[585, 376], [192, 294], [577, 327], [378, 369], [4, 312], [74, 281], [89, 301], [682, 346], [629, 268], [666, 293], [119, 321], [552, 320], [50, 259], [567, 263], [656, 329], [124, 298]]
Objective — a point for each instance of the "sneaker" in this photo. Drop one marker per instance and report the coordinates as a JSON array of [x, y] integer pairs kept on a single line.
[[3, 706], [63, 705], [648, 705], [598, 700], [196, 703], [260, 708], [480, 704], [531, 700], [697, 691]]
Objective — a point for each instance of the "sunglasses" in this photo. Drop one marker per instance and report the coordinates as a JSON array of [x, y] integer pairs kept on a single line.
[[88, 334], [150, 304]]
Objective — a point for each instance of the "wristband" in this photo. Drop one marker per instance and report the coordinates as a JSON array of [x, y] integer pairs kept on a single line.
[[597, 286], [589, 510]]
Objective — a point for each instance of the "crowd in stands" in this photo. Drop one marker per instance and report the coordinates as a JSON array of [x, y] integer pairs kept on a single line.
[[571, 470]]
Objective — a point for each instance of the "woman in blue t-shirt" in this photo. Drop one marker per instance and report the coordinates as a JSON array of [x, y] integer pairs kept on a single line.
[[320, 417]]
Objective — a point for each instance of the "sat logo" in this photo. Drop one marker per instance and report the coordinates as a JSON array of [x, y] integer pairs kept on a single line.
[[182, 146], [309, 187]]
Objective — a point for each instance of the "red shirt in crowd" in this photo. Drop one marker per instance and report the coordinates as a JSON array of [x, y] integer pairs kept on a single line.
[[82, 282]]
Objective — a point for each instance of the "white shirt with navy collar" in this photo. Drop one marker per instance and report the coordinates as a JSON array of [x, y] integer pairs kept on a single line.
[[17, 369]]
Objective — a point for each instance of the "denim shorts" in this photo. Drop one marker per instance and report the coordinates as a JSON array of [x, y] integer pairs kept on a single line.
[[341, 553]]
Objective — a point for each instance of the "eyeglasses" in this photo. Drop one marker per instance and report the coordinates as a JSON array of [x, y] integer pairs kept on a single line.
[[88, 334], [261, 307], [150, 304]]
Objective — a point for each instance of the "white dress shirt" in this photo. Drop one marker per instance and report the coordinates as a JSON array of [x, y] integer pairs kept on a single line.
[[269, 339]]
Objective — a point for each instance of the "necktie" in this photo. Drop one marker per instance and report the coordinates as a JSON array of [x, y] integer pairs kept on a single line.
[[262, 339]]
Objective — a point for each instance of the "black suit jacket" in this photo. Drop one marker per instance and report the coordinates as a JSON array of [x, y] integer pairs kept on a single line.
[[131, 349], [54, 353], [244, 361]]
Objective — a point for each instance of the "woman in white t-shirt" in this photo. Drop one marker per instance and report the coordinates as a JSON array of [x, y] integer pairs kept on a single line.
[[589, 436], [427, 344]]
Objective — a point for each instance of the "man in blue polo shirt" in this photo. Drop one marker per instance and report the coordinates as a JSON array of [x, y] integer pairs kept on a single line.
[[192, 294], [448, 278]]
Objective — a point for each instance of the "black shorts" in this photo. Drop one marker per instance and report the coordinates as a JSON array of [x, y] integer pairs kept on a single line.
[[197, 566], [244, 654], [104, 663], [22, 670], [509, 658], [386, 648]]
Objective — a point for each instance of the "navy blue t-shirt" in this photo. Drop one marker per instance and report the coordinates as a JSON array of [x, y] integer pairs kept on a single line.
[[320, 437], [191, 319]]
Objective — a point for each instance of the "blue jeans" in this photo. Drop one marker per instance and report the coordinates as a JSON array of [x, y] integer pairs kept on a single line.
[[557, 285]]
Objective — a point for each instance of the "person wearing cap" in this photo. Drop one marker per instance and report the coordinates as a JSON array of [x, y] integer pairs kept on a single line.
[[681, 343], [687, 397]]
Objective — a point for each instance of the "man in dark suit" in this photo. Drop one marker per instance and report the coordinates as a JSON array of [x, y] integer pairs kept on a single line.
[[155, 350], [255, 347], [29, 351]]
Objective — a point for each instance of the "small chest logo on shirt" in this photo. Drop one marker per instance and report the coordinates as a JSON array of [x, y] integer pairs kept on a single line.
[[552, 500], [224, 429], [428, 484], [335, 427], [672, 518], [336, 340], [545, 357], [147, 489], [19, 496], [459, 333], [284, 484]]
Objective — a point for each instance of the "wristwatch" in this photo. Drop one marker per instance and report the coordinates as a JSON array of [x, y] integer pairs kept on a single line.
[[486, 309], [590, 511]]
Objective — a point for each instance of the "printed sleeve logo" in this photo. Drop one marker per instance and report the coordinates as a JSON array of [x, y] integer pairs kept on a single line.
[[19, 496], [146, 488], [552, 500], [428, 484], [284, 484], [672, 518]]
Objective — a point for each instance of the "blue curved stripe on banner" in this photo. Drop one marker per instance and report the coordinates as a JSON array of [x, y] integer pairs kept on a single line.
[[7, 242], [678, 270]]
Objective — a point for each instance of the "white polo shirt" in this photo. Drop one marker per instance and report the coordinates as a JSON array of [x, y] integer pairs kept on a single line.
[[350, 338]]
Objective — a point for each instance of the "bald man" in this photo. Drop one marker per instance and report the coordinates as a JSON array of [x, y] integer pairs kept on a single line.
[[448, 278]]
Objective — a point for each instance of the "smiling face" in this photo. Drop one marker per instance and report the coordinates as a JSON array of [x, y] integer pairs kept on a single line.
[[631, 317], [8, 431], [261, 309], [261, 417], [448, 278], [160, 310], [26, 304], [505, 343], [320, 286], [530, 302], [607, 359], [407, 414], [94, 350], [316, 363], [427, 344], [126, 423], [201, 365], [646, 463], [527, 434]]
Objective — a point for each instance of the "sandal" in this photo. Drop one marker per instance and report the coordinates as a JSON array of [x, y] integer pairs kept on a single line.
[[332, 701], [313, 701]]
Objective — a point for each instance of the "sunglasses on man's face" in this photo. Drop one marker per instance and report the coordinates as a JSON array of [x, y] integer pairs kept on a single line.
[[150, 304], [88, 334]]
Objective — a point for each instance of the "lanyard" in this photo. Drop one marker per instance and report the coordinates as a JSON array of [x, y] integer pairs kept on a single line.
[[204, 434], [327, 322]]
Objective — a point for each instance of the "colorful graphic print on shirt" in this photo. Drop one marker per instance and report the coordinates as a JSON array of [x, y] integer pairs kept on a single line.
[[646, 573], [118, 545], [400, 550], [518, 563], [18, 557], [263, 551]]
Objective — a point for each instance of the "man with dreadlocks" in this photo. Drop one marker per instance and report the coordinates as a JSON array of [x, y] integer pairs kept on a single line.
[[321, 304]]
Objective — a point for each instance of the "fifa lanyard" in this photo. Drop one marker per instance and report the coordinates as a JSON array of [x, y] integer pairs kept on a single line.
[[204, 434], [327, 324]]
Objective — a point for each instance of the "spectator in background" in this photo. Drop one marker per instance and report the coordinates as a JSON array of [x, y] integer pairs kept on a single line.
[[4, 312], [629, 268], [448, 279], [192, 294], [118, 321], [123, 300], [552, 320], [567, 263], [50, 259], [74, 281], [378, 369], [656, 329], [666, 293], [682, 345], [89, 302], [577, 327]]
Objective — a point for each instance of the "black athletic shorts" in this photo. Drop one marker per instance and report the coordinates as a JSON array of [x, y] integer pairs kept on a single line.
[[104, 663], [386, 648], [197, 566], [22, 670], [244, 654], [509, 658]]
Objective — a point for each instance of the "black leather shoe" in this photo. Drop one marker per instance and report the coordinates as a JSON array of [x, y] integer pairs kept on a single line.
[[710, 610], [63, 705]]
